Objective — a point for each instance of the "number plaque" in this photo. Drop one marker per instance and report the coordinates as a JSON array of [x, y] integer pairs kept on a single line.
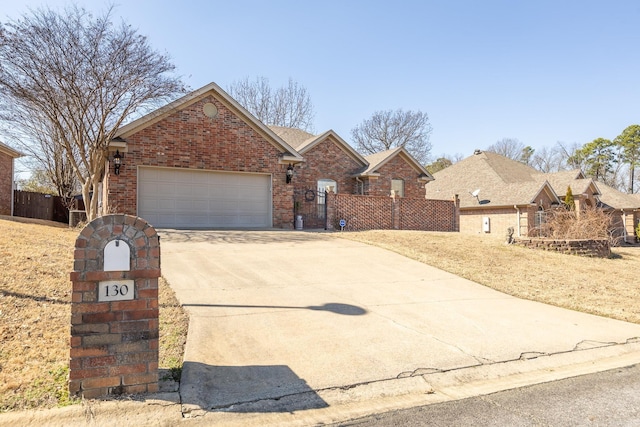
[[116, 290]]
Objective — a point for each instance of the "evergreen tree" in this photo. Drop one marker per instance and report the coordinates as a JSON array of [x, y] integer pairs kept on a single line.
[[569, 202]]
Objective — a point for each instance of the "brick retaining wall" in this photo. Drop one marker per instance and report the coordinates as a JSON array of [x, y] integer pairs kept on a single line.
[[587, 248]]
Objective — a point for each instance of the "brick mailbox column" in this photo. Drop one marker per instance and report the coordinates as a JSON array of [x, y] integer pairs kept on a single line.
[[114, 308]]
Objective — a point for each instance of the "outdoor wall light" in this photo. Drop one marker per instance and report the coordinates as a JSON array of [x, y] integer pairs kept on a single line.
[[289, 173], [117, 162]]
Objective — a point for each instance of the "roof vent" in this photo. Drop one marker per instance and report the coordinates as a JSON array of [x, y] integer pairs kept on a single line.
[[476, 152]]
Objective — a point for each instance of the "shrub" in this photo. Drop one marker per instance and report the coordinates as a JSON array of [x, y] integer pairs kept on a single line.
[[590, 223]]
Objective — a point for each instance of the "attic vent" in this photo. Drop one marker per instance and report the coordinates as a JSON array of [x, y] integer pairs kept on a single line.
[[210, 110], [476, 152]]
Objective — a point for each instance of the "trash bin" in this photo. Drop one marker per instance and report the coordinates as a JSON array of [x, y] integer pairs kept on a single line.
[[298, 222]]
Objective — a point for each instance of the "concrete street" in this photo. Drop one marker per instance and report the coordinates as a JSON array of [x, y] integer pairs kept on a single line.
[[305, 328]]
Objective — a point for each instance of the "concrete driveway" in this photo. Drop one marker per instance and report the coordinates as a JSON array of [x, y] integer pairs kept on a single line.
[[284, 323]]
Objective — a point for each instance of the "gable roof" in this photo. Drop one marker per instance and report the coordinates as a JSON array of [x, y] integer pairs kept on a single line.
[[303, 141], [10, 151], [377, 160], [575, 179], [290, 154]]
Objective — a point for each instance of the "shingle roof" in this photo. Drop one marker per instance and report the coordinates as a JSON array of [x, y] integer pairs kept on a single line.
[[502, 182], [560, 181], [613, 198], [377, 160], [293, 137], [303, 141]]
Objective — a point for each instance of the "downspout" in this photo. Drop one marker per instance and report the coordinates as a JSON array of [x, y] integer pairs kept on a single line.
[[518, 218]]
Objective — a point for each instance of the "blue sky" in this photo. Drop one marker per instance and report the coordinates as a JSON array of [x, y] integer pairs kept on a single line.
[[539, 71]]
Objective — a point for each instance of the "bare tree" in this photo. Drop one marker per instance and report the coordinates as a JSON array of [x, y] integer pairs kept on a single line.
[[570, 159], [508, 147], [548, 160], [79, 78], [389, 129], [288, 106], [39, 140]]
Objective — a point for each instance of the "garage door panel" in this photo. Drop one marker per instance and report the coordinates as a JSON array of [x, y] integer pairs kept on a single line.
[[203, 199]]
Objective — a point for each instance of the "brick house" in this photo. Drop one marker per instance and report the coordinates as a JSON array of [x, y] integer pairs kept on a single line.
[[202, 161], [7, 156], [497, 193]]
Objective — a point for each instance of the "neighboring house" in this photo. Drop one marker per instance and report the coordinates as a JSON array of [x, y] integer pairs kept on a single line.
[[202, 161], [7, 179], [624, 208], [497, 193]]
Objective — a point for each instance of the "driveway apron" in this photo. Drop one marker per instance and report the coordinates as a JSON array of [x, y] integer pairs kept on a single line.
[[275, 314]]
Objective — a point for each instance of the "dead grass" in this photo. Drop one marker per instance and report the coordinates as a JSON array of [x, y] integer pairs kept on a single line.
[[606, 287], [35, 315]]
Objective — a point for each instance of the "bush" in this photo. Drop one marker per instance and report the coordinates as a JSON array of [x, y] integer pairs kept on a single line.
[[590, 223]]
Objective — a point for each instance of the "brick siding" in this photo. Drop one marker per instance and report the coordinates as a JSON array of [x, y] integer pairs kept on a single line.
[[499, 221], [383, 213], [114, 345], [396, 168], [6, 183], [326, 160], [190, 139]]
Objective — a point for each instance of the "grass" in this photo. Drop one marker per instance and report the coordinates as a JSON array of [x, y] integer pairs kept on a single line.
[[606, 287], [35, 315]]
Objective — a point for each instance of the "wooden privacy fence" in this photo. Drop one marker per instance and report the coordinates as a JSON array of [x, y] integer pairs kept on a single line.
[[386, 213], [27, 204]]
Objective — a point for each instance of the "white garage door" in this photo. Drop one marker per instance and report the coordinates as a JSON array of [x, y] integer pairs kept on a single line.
[[187, 198]]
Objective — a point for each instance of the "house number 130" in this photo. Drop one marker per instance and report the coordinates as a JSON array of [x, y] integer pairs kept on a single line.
[[115, 290]]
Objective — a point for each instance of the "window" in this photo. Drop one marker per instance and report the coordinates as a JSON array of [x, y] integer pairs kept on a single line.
[[397, 185], [541, 217], [325, 185]]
